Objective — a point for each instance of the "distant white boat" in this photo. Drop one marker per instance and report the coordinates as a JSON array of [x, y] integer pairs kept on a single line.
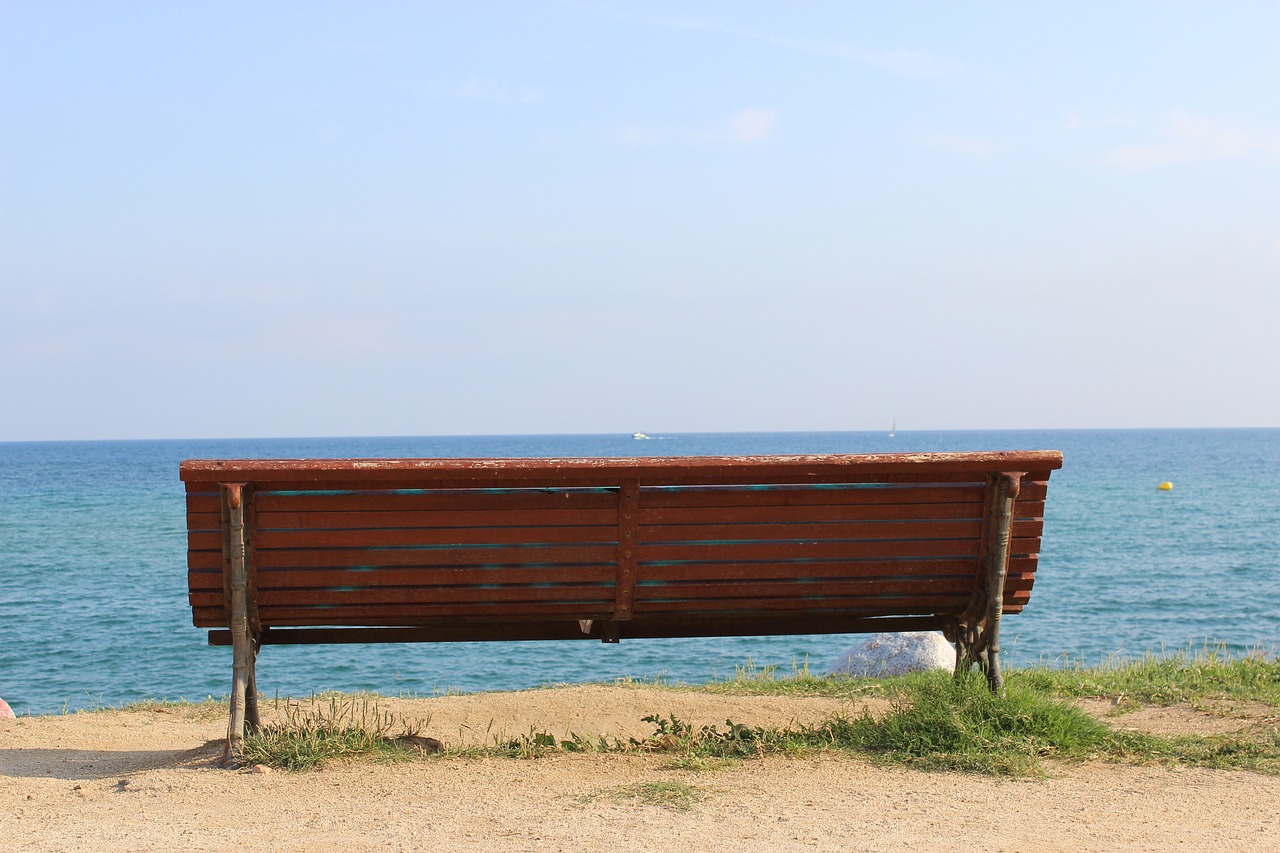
[[639, 436], [893, 430]]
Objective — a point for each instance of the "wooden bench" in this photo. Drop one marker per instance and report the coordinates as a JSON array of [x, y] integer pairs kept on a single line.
[[412, 550]]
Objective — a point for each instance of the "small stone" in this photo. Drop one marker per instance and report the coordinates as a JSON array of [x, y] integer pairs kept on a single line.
[[260, 769], [419, 744], [896, 654]]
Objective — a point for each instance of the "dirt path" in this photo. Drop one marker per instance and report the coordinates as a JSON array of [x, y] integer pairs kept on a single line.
[[149, 780]]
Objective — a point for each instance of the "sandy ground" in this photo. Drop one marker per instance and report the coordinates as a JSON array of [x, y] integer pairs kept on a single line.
[[149, 779]]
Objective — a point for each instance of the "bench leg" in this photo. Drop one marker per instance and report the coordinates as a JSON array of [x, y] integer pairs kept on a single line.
[[252, 719], [976, 633], [243, 678], [239, 688]]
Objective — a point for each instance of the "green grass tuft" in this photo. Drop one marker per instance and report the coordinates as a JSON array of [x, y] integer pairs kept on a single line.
[[940, 723], [339, 728], [1190, 676]]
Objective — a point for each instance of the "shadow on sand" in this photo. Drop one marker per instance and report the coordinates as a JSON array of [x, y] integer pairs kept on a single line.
[[88, 764]]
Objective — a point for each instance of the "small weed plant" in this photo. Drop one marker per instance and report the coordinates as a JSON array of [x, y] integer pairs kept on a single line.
[[346, 727]]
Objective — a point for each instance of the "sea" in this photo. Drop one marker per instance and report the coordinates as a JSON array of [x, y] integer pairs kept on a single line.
[[93, 597]]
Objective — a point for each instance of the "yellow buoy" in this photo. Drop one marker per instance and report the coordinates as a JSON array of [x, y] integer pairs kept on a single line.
[[1166, 486]]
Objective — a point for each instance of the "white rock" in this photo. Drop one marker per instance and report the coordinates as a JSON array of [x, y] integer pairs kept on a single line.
[[896, 654]]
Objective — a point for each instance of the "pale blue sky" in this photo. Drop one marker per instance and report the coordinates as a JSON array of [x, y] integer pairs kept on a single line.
[[292, 219]]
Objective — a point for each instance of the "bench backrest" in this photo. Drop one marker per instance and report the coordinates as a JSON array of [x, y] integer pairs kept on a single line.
[[562, 548]]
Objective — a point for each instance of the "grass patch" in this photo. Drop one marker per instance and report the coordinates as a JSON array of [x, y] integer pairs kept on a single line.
[[937, 723], [208, 705], [942, 724], [1193, 677], [307, 738], [933, 722], [663, 794], [754, 680]]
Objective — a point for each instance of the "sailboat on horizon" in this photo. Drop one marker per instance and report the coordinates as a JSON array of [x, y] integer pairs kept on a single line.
[[893, 430]]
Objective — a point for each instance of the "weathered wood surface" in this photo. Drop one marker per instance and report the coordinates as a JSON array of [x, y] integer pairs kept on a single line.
[[609, 471], [453, 542]]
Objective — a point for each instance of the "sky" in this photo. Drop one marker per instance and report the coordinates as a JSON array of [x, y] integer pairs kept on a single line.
[[234, 219]]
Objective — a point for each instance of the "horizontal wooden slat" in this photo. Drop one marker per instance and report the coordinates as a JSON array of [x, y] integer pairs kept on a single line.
[[440, 631], [204, 579], [339, 597], [807, 623], [698, 514], [439, 501], [528, 480], [698, 625], [550, 555], [836, 569], [209, 559], [729, 572], [596, 536], [423, 612], [380, 500], [810, 591], [202, 503], [873, 570], [204, 521], [376, 520], [671, 469], [390, 519], [394, 538], [866, 605], [652, 501], [778, 552], [829, 531], [834, 495], [463, 556], [412, 614], [204, 540], [500, 480], [307, 578]]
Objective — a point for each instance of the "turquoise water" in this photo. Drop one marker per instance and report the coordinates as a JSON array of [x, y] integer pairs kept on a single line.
[[93, 605]]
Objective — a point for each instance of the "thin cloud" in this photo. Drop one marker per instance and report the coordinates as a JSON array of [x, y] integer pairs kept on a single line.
[[908, 63], [969, 146], [1077, 122], [753, 125], [1185, 138], [746, 127], [904, 63], [481, 89]]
